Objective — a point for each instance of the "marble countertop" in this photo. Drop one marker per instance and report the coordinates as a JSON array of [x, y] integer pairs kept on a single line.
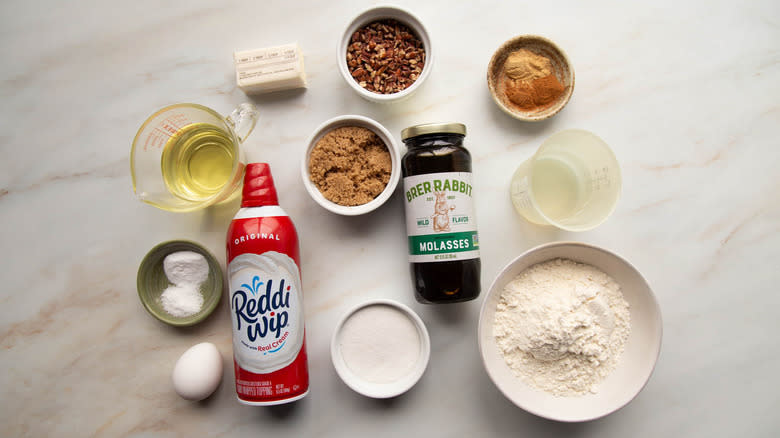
[[686, 93]]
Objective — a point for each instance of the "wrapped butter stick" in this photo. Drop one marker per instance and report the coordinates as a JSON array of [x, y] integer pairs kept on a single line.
[[270, 69]]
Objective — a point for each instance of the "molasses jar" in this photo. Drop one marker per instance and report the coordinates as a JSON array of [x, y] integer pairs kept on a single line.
[[440, 221]]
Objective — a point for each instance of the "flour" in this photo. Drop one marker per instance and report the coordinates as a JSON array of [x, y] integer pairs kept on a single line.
[[561, 326], [187, 270], [380, 344]]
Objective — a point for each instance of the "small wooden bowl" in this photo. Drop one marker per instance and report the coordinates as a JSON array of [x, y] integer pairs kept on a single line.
[[541, 46]]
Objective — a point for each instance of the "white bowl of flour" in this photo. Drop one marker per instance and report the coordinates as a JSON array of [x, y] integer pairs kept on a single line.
[[569, 331]]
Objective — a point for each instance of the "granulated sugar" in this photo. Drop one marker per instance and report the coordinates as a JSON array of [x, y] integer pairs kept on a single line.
[[380, 344], [561, 326]]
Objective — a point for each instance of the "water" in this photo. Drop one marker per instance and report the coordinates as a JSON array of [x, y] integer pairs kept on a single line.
[[557, 189]]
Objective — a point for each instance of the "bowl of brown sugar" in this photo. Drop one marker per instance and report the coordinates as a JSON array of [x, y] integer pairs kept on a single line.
[[530, 78], [351, 165]]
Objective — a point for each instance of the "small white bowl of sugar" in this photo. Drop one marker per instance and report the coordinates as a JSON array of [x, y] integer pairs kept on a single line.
[[380, 348]]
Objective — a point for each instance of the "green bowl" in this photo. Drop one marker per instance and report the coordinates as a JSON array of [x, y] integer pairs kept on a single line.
[[152, 281]]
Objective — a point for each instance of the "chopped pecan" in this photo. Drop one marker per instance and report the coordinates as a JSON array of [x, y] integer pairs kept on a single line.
[[385, 56]]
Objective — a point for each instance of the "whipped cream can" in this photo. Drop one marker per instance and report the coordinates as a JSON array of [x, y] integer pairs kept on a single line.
[[266, 298]]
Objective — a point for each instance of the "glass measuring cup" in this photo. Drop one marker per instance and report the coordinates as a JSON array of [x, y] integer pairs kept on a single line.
[[572, 182], [187, 156]]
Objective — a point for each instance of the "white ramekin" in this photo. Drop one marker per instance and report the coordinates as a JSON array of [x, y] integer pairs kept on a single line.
[[378, 13], [389, 389], [384, 135]]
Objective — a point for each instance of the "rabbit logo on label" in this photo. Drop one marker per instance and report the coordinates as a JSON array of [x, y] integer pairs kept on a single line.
[[441, 215]]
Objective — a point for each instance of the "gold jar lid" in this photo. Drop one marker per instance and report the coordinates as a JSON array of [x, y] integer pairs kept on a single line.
[[433, 128]]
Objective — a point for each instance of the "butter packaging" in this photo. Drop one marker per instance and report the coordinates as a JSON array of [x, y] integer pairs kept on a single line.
[[270, 69]]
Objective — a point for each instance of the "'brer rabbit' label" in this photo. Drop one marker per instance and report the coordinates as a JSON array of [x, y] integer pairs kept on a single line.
[[440, 217]]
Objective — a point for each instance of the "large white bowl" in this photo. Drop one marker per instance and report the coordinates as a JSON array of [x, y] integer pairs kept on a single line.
[[384, 135], [379, 13], [635, 365]]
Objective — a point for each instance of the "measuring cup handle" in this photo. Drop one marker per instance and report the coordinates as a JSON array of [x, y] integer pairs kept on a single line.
[[243, 120]]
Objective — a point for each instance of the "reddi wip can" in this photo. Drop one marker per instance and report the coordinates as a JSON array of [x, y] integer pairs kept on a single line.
[[266, 298]]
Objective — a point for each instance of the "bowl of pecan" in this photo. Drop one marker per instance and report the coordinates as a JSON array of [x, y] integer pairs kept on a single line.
[[385, 54]]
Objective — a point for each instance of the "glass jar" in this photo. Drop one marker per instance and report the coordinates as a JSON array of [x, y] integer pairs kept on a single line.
[[440, 221]]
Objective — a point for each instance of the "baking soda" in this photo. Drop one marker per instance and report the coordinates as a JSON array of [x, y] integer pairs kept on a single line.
[[186, 267]]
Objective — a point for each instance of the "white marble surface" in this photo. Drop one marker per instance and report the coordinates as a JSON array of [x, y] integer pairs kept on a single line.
[[685, 92]]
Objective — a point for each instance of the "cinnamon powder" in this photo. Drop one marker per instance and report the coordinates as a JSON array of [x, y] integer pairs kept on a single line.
[[536, 94], [350, 165]]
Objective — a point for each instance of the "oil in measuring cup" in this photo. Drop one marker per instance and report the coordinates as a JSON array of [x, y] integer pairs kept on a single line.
[[198, 161], [187, 156], [571, 182]]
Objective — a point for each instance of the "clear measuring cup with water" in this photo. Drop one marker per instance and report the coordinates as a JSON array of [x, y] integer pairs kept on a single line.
[[187, 156], [572, 182]]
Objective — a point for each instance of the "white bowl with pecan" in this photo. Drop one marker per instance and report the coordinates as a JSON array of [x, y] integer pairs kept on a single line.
[[385, 54]]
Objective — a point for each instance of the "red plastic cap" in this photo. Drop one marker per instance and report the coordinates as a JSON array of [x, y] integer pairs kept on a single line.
[[259, 187]]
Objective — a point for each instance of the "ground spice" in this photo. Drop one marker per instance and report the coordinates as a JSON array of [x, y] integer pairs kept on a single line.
[[536, 94], [350, 165], [531, 84], [526, 65]]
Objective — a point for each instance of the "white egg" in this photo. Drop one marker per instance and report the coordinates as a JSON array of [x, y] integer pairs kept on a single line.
[[198, 372]]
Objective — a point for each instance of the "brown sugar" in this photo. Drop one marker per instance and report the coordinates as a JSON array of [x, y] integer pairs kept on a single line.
[[350, 165]]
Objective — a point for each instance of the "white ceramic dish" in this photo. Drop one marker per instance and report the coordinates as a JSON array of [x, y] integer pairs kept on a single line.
[[381, 390], [635, 365], [387, 138], [378, 13]]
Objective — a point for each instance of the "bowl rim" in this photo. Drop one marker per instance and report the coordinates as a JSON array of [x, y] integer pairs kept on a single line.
[[386, 390], [159, 313], [492, 290], [548, 112], [379, 130], [374, 13]]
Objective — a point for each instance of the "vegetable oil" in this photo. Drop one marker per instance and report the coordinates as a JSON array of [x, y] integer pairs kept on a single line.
[[198, 161]]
